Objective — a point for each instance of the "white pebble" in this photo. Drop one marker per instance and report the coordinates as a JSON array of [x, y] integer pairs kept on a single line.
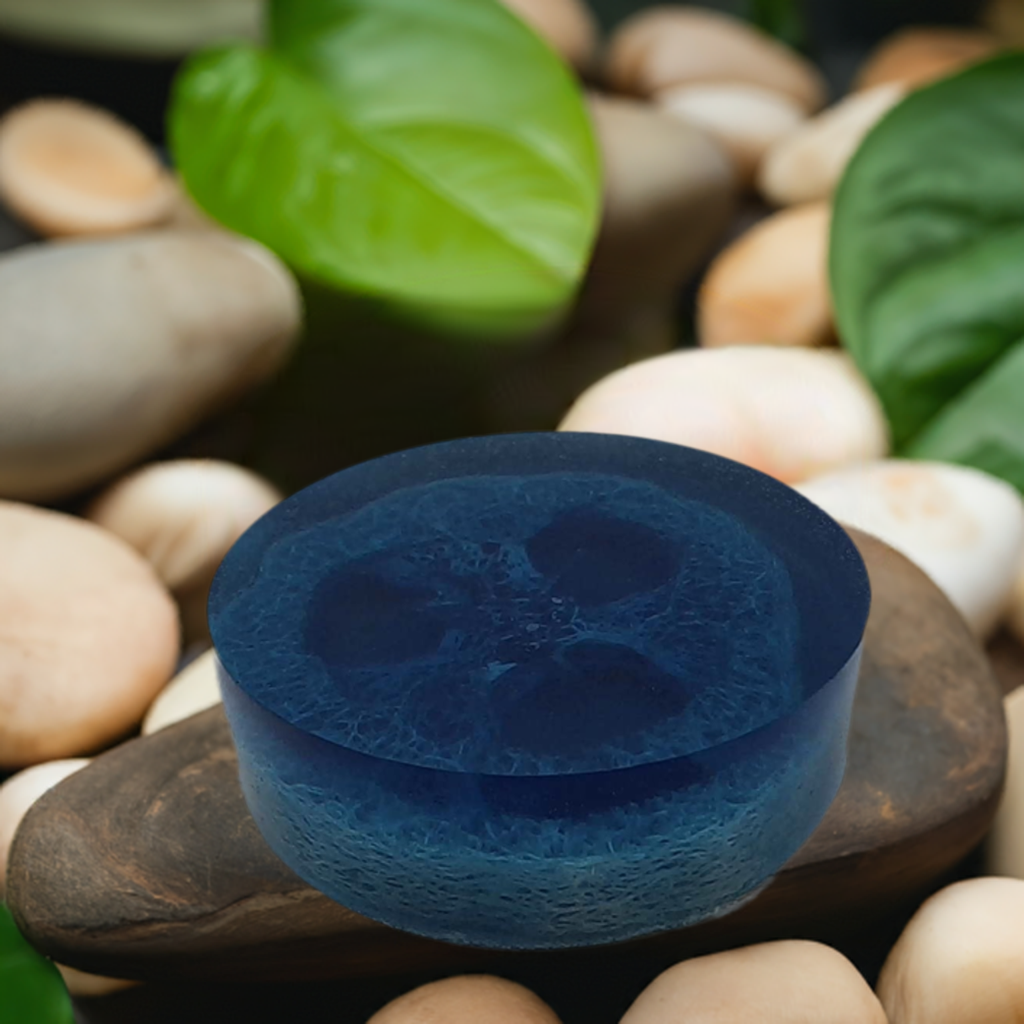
[[195, 688], [746, 120], [790, 412], [807, 164], [961, 958], [184, 516], [794, 982], [964, 528]]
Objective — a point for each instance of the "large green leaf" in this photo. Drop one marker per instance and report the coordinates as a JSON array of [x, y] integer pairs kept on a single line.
[[927, 266], [31, 990], [434, 154]]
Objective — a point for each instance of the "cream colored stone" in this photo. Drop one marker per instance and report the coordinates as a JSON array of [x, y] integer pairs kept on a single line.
[[746, 120], [19, 793], [963, 527], [568, 25], [664, 46], [71, 169], [919, 54], [89, 636], [959, 960], [184, 516], [771, 285], [112, 348], [807, 165], [669, 196], [192, 690], [468, 999], [1004, 846], [789, 412], [794, 982]]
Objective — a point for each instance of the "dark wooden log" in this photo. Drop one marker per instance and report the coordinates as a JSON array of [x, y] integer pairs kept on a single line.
[[147, 863]]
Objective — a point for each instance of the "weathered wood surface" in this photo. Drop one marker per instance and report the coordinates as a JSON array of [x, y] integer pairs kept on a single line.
[[147, 863]]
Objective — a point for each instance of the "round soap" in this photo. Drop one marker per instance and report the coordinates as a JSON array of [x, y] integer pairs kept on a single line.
[[540, 690]]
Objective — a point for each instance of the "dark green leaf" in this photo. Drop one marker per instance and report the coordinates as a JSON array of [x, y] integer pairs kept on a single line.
[[927, 266], [31, 990], [435, 155]]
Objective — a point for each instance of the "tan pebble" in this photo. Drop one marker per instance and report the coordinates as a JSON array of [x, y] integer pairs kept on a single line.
[[671, 45], [1004, 846], [194, 689], [963, 527], [920, 54], [669, 196], [789, 412], [959, 961], [19, 793], [746, 120], [70, 169], [89, 636], [184, 516], [771, 285], [469, 999], [793, 982], [91, 986], [568, 25], [807, 165]]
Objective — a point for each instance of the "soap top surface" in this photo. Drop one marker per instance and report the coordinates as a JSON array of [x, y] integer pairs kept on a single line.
[[570, 607]]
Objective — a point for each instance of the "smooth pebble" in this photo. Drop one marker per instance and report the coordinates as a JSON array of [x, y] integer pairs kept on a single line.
[[90, 636], [67, 168], [771, 285], [920, 54], [959, 961], [790, 982], [963, 527], [115, 347], [746, 120], [468, 999], [669, 196], [1004, 845], [791, 413], [808, 163], [568, 25], [195, 688], [668, 45], [183, 516], [19, 793]]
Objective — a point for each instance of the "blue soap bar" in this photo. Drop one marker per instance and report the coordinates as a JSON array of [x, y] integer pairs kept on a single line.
[[540, 690]]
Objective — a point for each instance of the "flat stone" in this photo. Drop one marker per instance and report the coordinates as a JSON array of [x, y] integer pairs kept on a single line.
[[147, 864], [113, 348]]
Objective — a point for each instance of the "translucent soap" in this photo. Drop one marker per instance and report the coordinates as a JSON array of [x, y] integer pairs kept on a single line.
[[540, 690]]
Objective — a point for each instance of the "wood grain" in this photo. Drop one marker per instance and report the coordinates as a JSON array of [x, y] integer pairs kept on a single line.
[[147, 864]]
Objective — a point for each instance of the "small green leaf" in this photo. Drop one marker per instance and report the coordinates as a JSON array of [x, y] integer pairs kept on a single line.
[[31, 989], [433, 155], [927, 267]]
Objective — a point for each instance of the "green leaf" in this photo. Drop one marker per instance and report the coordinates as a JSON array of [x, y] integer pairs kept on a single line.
[[31, 989], [436, 156], [927, 267]]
